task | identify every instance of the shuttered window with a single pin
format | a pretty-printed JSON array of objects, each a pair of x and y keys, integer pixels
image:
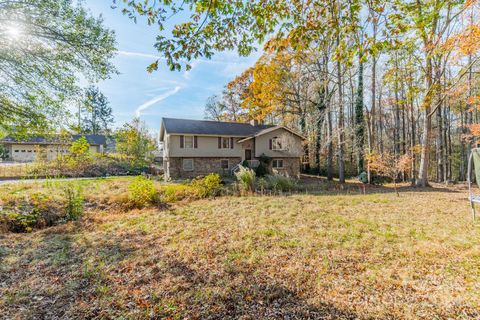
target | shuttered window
[
  {"x": 225, "y": 143},
  {"x": 188, "y": 142},
  {"x": 276, "y": 144}
]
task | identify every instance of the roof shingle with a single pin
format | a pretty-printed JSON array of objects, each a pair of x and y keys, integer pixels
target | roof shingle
[
  {"x": 211, "y": 127},
  {"x": 93, "y": 139}
]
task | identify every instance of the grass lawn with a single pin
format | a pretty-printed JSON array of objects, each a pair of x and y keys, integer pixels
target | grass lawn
[{"x": 325, "y": 256}]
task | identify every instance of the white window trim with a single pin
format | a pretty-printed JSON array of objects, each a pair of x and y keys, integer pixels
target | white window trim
[
  {"x": 274, "y": 146},
  {"x": 228, "y": 164},
  {"x": 277, "y": 161},
  {"x": 228, "y": 143},
  {"x": 185, "y": 142},
  {"x": 188, "y": 169}
]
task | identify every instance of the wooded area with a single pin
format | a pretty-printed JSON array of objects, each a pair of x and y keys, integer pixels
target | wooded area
[{"x": 370, "y": 78}]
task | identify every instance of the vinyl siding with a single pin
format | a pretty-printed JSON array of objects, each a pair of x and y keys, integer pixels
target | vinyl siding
[
  {"x": 207, "y": 147},
  {"x": 293, "y": 144}
]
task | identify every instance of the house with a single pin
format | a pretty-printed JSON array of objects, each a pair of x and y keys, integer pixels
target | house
[
  {"x": 27, "y": 149},
  {"x": 199, "y": 147}
]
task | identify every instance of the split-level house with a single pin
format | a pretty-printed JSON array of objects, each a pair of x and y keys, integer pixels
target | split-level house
[{"x": 199, "y": 147}]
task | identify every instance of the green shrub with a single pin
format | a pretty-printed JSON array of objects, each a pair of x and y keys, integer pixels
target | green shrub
[
  {"x": 176, "y": 192},
  {"x": 246, "y": 179},
  {"x": 23, "y": 214},
  {"x": 281, "y": 183},
  {"x": 73, "y": 202},
  {"x": 261, "y": 170},
  {"x": 23, "y": 221},
  {"x": 96, "y": 165},
  {"x": 209, "y": 186},
  {"x": 262, "y": 183},
  {"x": 141, "y": 192}
]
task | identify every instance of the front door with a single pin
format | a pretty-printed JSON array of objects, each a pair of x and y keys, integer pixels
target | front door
[{"x": 248, "y": 154}]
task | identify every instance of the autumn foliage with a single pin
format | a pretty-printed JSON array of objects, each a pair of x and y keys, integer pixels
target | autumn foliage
[{"x": 389, "y": 165}]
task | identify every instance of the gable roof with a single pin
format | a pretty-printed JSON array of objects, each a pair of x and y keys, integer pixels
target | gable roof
[
  {"x": 92, "y": 139},
  {"x": 267, "y": 130},
  {"x": 208, "y": 127}
]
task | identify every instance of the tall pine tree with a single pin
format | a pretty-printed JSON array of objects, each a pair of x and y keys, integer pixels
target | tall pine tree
[{"x": 97, "y": 112}]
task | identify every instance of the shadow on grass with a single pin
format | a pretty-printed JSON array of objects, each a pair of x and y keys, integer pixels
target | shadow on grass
[
  {"x": 48, "y": 274},
  {"x": 59, "y": 274},
  {"x": 246, "y": 295},
  {"x": 320, "y": 185}
]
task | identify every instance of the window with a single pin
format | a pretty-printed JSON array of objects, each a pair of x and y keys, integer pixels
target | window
[
  {"x": 23, "y": 150},
  {"x": 277, "y": 163},
  {"x": 188, "y": 142},
  {"x": 277, "y": 144},
  {"x": 224, "y": 163},
  {"x": 187, "y": 164},
  {"x": 16, "y": 150},
  {"x": 29, "y": 150},
  {"x": 225, "y": 143}
]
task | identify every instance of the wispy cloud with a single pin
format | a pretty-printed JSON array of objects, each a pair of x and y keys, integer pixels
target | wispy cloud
[
  {"x": 155, "y": 100},
  {"x": 227, "y": 59},
  {"x": 224, "y": 64},
  {"x": 187, "y": 74},
  {"x": 138, "y": 54}
]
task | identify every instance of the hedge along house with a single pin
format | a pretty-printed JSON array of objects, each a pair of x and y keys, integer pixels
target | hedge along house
[
  {"x": 30, "y": 148},
  {"x": 199, "y": 147}
]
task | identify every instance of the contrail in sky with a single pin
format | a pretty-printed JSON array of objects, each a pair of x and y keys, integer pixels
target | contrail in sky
[{"x": 157, "y": 99}]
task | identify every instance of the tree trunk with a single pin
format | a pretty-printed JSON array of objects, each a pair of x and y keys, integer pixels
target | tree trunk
[
  {"x": 413, "y": 136},
  {"x": 321, "y": 106},
  {"x": 380, "y": 122},
  {"x": 462, "y": 167},
  {"x": 341, "y": 120},
  {"x": 439, "y": 145},
  {"x": 359, "y": 120},
  {"x": 422, "y": 180},
  {"x": 374, "y": 89},
  {"x": 396, "y": 132},
  {"x": 329, "y": 145}
]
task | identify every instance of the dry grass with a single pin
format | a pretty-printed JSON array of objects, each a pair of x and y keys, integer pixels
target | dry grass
[
  {"x": 305, "y": 256},
  {"x": 14, "y": 170}
]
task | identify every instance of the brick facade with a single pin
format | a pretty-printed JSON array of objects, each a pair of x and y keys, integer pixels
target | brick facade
[
  {"x": 291, "y": 167},
  {"x": 201, "y": 167}
]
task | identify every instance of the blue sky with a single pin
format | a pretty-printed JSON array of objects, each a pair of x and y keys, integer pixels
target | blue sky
[{"x": 163, "y": 93}]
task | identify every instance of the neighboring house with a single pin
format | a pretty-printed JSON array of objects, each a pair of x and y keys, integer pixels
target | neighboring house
[
  {"x": 25, "y": 150},
  {"x": 199, "y": 147}
]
